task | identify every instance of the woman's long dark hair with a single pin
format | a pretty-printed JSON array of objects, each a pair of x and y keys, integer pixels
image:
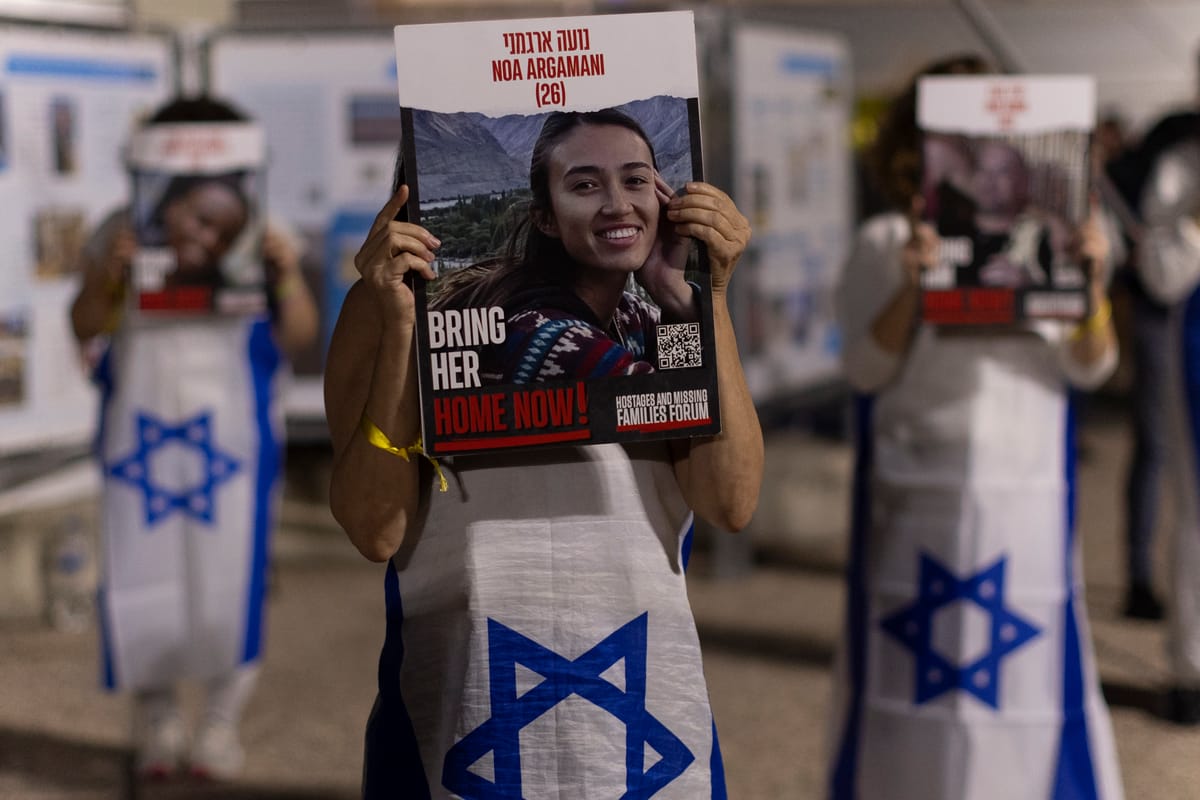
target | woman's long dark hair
[
  {"x": 530, "y": 258},
  {"x": 895, "y": 160}
]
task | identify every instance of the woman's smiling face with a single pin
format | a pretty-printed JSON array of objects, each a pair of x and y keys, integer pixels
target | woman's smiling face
[
  {"x": 202, "y": 225},
  {"x": 602, "y": 199}
]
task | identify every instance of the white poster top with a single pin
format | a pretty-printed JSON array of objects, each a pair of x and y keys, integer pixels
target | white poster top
[
  {"x": 1003, "y": 104},
  {"x": 559, "y": 63},
  {"x": 196, "y": 148}
]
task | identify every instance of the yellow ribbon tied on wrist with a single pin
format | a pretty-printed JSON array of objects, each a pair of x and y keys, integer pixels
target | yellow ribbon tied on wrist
[
  {"x": 377, "y": 438},
  {"x": 1097, "y": 321}
]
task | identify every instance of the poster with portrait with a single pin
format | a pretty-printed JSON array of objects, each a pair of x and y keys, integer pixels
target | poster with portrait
[
  {"x": 1005, "y": 183},
  {"x": 541, "y": 153},
  {"x": 198, "y": 219}
]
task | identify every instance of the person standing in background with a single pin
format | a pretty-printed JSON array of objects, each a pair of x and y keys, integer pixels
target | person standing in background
[
  {"x": 190, "y": 444},
  {"x": 1169, "y": 265},
  {"x": 966, "y": 668},
  {"x": 1126, "y": 168}
]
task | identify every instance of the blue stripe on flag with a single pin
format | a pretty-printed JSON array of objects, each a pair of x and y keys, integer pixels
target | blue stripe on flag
[
  {"x": 685, "y": 550},
  {"x": 102, "y": 376},
  {"x": 264, "y": 360},
  {"x": 108, "y": 675},
  {"x": 392, "y": 762},
  {"x": 716, "y": 768},
  {"x": 844, "y": 779},
  {"x": 1075, "y": 777},
  {"x": 89, "y": 68}
]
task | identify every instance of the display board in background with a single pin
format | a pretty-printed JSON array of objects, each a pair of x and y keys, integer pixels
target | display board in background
[
  {"x": 79, "y": 12},
  {"x": 68, "y": 101},
  {"x": 328, "y": 105},
  {"x": 793, "y": 178}
]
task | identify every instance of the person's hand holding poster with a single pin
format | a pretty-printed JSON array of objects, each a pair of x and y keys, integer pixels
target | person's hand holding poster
[
  {"x": 198, "y": 218},
  {"x": 1005, "y": 184}
]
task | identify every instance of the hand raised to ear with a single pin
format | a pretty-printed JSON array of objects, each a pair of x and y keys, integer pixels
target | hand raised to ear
[
  {"x": 706, "y": 213},
  {"x": 662, "y": 276}
]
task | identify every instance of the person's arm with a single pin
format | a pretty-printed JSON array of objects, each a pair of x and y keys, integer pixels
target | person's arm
[
  {"x": 371, "y": 375},
  {"x": 1089, "y": 353},
  {"x": 1169, "y": 248},
  {"x": 877, "y": 333},
  {"x": 104, "y": 264},
  {"x": 892, "y": 330},
  {"x": 720, "y": 476},
  {"x": 296, "y": 318}
]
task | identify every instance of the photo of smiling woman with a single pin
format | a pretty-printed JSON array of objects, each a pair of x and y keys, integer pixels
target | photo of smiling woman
[
  {"x": 206, "y": 221},
  {"x": 595, "y": 218}
]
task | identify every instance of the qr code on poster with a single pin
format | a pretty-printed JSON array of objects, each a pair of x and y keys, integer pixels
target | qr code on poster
[{"x": 679, "y": 346}]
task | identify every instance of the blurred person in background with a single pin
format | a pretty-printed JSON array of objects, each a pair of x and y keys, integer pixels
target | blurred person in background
[
  {"x": 1169, "y": 266},
  {"x": 1126, "y": 166},
  {"x": 966, "y": 667},
  {"x": 190, "y": 442}
]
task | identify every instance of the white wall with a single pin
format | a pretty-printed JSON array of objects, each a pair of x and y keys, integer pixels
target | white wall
[{"x": 1142, "y": 54}]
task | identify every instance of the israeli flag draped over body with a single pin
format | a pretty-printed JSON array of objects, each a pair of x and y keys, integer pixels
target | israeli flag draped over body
[
  {"x": 967, "y": 671},
  {"x": 189, "y": 446},
  {"x": 539, "y": 640}
]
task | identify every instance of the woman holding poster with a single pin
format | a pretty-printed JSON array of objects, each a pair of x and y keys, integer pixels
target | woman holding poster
[
  {"x": 541, "y": 581},
  {"x": 190, "y": 443},
  {"x": 966, "y": 669}
]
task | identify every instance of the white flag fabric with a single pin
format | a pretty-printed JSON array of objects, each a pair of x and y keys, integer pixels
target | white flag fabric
[
  {"x": 190, "y": 447},
  {"x": 967, "y": 670},
  {"x": 539, "y": 638}
]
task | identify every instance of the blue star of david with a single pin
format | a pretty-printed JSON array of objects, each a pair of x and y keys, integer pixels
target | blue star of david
[
  {"x": 562, "y": 677},
  {"x": 158, "y": 502},
  {"x": 912, "y": 626}
]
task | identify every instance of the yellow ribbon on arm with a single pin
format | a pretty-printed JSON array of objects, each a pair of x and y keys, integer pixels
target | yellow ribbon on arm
[
  {"x": 377, "y": 438},
  {"x": 1097, "y": 321}
]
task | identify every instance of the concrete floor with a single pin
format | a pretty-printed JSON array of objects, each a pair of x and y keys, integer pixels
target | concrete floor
[{"x": 769, "y": 637}]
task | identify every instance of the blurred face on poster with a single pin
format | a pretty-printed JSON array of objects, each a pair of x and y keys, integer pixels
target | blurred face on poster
[
  {"x": 201, "y": 225},
  {"x": 946, "y": 184},
  {"x": 1000, "y": 183},
  {"x": 602, "y": 198},
  {"x": 946, "y": 161}
]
